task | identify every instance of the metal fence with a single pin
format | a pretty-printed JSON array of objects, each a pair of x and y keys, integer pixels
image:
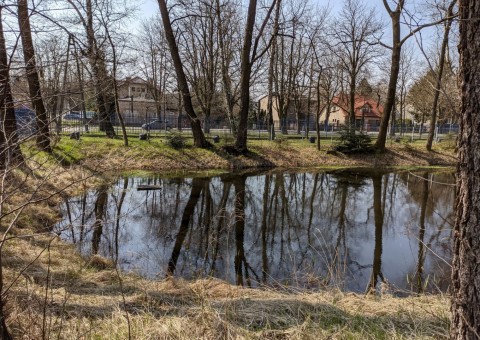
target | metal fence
[{"x": 155, "y": 125}]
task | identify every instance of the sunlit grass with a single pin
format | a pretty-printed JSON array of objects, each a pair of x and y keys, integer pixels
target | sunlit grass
[{"x": 82, "y": 297}]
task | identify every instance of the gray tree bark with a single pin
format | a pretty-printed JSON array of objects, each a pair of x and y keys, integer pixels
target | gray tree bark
[
  {"x": 43, "y": 131},
  {"x": 465, "y": 305},
  {"x": 9, "y": 147},
  {"x": 246, "y": 70},
  {"x": 394, "y": 70}
]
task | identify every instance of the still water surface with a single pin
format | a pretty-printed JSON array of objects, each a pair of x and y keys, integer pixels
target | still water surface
[{"x": 353, "y": 229}]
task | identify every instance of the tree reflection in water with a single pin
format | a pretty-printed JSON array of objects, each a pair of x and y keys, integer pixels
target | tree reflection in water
[
  {"x": 197, "y": 187},
  {"x": 377, "y": 252},
  {"x": 348, "y": 229}
]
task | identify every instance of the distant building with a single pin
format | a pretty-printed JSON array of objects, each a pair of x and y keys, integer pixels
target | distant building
[
  {"x": 368, "y": 112},
  {"x": 137, "y": 102},
  {"x": 295, "y": 114}
]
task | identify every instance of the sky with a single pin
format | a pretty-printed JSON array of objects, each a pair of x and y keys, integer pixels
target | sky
[{"x": 149, "y": 7}]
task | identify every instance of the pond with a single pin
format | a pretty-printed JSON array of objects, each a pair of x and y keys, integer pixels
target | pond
[{"x": 358, "y": 229}]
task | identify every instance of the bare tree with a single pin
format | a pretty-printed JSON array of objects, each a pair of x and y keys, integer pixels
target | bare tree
[
  {"x": 273, "y": 51},
  {"x": 245, "y": 70},
  {"x": 228, "y": 35},
  {"x": 43, "y": 131},
  {"x": 113, "y": 47},
  {"x": 354, "y": 45},
  {"x": 290, "y": 58},
  {"x": 198, "y": 136},
  {"x": 405, "y": 76},
  {"x": 248, "y": 58},
  {"x": 104, "y": 99},
  {"x": 396, "y": 47},
  {"x": 201, "y": 55},
  {"x": 9, "y": 147},
  {"x": 155, "y": 63},
  {"x": 419, "y": 98},
  {"x": 465, "y": 270},
  {"x": 7, "y": 114},
  {"x": 50, "y": 52},
  {"x": 441, "y": 64}
]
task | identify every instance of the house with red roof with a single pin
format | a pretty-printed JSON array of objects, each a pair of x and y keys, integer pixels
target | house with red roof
[{"x": 368, "y": 112}]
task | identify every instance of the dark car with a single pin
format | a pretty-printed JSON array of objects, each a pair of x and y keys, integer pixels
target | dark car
[
  {"x": 71, "y": 116},
  {"x": 157, "y": 124},
  {"x": 89, "y": 117},
  {"x": 26, "y": 123}
]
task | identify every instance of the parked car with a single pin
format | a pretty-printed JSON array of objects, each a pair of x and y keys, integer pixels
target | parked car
[
  {"x": 157, "y": 124},
  {"x": 71, "y": 116},
  {"x": 26, "y": 123},
  {"x": 78, "y": 115}
]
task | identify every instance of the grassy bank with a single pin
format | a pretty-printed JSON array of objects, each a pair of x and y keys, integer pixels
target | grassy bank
[
  {"x": 53, "y": 292},
  {"x": 104, "y": 154},
  {"x": 65, "y": 296}
]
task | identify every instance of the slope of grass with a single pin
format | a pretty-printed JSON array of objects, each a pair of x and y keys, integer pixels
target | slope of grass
[
  {"x": 53, "y": 292},
  {"x": 102, "y": 154}
]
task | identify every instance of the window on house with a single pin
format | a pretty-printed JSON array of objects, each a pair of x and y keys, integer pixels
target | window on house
[
  {"x": 143, "y": 90},
  {"x": 133, "y": 89}
]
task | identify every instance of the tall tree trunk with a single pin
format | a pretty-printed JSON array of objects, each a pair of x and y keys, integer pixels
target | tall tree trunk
[
  {"x": 224, "y": 65},
  {"x": 273, "y": 51},
  {"x": 198, "y": 136},
  {"x": 441, "y": 65},
  {"x": 392, "y": 83},
  {"x": 58, "y": 116},
  {"x": 115, "y": 87},
  {"x": 465, "y": 269},
  {"x": 7, "y": 127},
  {"x": 43, "y": 131},
  {"x": 246, "y": 70},
  {"x": 351, "y": 104},
  {"x": 9, "y": 147},
  {"x": 290, "y": 84},
  {"x": 99, "y": 71},
  {"x": 393, "y": 118},
  {"x": 318, "y": 113},
  {"x": 80, "y": 83},
  {"x": 180, "y": 109}
]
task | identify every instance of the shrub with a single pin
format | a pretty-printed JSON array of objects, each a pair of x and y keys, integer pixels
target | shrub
[
  {"x": 351, "y": 142},
  {"x": 175, "y": 140}
]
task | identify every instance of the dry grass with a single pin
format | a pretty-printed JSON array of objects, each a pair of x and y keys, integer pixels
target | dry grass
[
  {"x": 82, "y": 301},
  {"x": 55, "y": 293},
  {"x": 90, "y": 307},
  {"x": 107, "y": 155}
]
